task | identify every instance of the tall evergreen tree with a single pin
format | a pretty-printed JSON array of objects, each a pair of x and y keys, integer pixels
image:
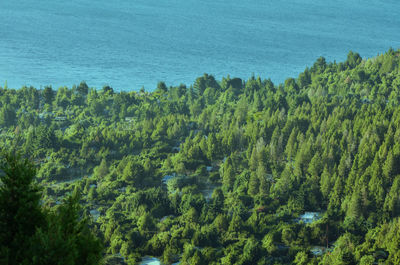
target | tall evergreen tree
[{"x": 20, "y": 211}]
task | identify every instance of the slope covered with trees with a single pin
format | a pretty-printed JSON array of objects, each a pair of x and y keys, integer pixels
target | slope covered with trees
[{"x": 222, "y": 172}]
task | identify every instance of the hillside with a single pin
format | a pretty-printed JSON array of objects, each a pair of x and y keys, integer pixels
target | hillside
[{"x": 226, "y": 171}]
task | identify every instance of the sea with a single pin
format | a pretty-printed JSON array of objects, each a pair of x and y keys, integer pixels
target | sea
[{"x": 130, "y": 44}]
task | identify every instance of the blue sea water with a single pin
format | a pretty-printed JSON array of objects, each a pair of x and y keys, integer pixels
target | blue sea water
[{"x": 133, "y": 43}]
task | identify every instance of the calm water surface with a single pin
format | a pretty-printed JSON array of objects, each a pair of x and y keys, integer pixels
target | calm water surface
[{"x": 133, "y": 43}]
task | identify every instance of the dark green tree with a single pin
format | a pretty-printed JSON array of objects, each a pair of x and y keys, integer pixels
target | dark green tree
[
  {"x": 20, "y": 211},
  {"x": 48, "y": 95},
  {"x": 161, "y": 87},
  {"x": 83, "y": 88},
  {"x": 7, "y": 115}
]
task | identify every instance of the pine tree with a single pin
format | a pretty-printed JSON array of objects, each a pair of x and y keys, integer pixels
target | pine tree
[
  {"x": 392, "y": 201},
  {"x": 7, "y": 115},
  {"x": 48, "y": 95},
  {"x": 254, "y": 184},
  {"x": 228, "y": 177},
  {"x": 20, "y": 211}
]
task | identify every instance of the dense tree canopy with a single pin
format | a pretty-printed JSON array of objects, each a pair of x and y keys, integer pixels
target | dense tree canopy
[{"x": 221, "y": 172}]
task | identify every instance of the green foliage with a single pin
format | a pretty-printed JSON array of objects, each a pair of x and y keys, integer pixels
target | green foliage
[
  {"x": 31, "y": 234},
  {"x": 245, "y": 159},
  {"x": 20, "y": 211},
  {"x": 7, "y": 115},
  {"x": 48, "y": 95}
]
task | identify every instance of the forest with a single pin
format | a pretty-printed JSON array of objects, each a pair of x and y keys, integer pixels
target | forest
[{"x": 228, "y": 171}]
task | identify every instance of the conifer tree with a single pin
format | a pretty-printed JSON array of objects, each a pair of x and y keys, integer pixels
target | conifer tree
[{"x": 20, "y": 211}]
